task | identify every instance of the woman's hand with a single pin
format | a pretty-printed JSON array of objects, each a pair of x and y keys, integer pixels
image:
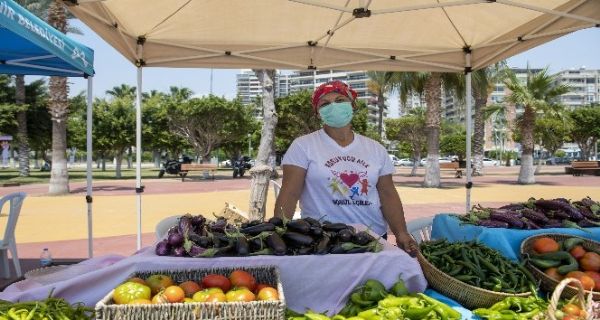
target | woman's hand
[{"x": 406, "y": 242}]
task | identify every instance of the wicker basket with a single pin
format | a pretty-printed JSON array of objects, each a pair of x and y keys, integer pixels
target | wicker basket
[
  {"x": 581, "y": 301},
  {"x": 467, "y": 295},
  {"x": 547, "y": 283},
  {"x": 260, "y": 310}
]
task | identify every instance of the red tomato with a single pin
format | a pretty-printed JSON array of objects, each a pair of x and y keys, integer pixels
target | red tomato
[
  {"x": 158, "y": 282},
  {"x": 216, "y": 297},
  {"x": 216, "y": 281},
  {"x": 240, "y": 278},
  {"x": 268, "y": 294},
  {"x": 240, "y": 295},
  {"x": 129, "y": 291},
  {"x": 190, "y": 287},
  {"x": 571, "y": 310},
  {"x": 260, "y": 286},
  {"x": 174, "y": 294}
]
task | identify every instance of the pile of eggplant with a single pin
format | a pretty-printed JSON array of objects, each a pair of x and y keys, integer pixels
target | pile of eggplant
[
  {"x": 538, "y": 214},
  {"x": 195, "y": 236}
]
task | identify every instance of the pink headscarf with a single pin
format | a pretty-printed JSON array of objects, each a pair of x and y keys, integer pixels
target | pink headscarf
[{"x": 332, "y": 86}]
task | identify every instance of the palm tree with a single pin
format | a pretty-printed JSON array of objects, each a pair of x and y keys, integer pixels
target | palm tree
[
  {"x": 429, "y": 85},
  {"x": 37, "y": 8},
  {"x": 536, "y": 95},
  {"x": 122, "y": 91},
  {"x": 22, "y": 139},
  {"x": 59, "y": 108},
  {"x": 483, "y": 82},
  {"x": 379, "y": 84},
  {"x": 180, "y": 93}
]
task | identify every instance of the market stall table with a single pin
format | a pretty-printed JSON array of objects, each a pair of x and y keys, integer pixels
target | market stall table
[
  {"x": 318, "y": 282},
  {"x": 507, "y": 241}
]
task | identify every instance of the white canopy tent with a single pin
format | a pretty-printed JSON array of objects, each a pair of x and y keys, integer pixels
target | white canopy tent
[{"x": 385, "y": 35}]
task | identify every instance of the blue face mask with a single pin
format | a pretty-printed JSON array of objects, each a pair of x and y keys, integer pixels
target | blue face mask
[{"x": 336, "y": 114}]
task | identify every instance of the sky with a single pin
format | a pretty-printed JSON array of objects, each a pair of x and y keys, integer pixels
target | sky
[{"x": 575, "y": 50}]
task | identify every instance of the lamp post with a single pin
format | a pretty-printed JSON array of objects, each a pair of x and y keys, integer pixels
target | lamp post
[{"x": 249, "y": 145}]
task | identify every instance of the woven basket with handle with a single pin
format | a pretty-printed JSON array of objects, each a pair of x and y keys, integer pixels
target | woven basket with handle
[
  {"x": 547, "y": 283},
  {"x": 580, "y": 299}
]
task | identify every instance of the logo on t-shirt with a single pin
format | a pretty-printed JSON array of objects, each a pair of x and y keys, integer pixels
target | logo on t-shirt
[{"x": 347, "y": 186}]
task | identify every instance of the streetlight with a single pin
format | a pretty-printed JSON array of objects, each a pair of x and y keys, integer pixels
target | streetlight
[{"x": 249, "y": 145}]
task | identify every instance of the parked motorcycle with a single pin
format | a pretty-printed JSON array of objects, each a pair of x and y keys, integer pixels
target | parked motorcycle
[
  {"x": 240, "y": 166},
  {"x": 173, "y": 166}
]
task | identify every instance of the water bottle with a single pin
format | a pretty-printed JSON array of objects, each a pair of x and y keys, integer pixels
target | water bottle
[{"x": 45, "y": 258}]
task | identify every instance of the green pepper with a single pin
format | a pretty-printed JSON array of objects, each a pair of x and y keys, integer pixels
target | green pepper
[
  {"x": 451, "y": 313},
  {"x": 367, "y": 314},
  {"x": 392, "y": 301},
  {"x": 315, "y": 316},
  {"x": 399, "y": 288},
  {"x": 356, "y": 298},
  {"x": 338, "y": 317},
  {"x": 373, "y": 290},
  {"x": 418, "y": 313}
]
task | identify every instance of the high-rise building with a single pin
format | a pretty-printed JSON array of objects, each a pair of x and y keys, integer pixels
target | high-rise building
[
  {"x": 249, "y": 88},
  {"x": 584, "y": 87}
]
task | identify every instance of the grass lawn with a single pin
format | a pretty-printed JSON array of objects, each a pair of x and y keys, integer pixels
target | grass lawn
[{"x": 8, "y": 176}]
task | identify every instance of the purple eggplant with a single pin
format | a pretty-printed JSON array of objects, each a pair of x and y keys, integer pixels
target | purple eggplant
[
  {"x": 179, "y": 252},
  {"x": 185, "y": 225},
  {"x": 586, "y": 223},
  {"x": 535, "y": 216},
  {"x": 175, "y": 239},
  {"x": 558, "y": 205},
  {"x": 218, "y": 226},
  {"x": 513, "y": 206},
  {"x": 162, "y": 248},
  {"x": 492, "y": 223},
  {"x": 173, "y": 229},
  {"x": 198, "y": 221},
  {"x": 507, "y": 217}
]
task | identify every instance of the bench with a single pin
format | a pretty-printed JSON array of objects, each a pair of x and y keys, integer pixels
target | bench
[
  {"x": 452, "y": 166},
  {"x": 578, "y": 168},
  {"x": 187, "y": 167}
]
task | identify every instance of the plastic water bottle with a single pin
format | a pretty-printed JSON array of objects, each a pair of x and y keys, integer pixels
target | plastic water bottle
[{"x": 45, "y": 258}]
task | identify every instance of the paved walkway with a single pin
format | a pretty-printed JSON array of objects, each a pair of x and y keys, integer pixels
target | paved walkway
[{"x": 60, "y": 223}]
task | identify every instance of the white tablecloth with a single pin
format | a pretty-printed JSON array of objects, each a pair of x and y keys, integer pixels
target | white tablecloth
[{"x": 316, "y": 282}]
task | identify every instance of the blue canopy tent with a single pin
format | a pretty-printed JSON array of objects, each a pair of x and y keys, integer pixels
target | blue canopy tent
[{"x": 29, "y": 46}]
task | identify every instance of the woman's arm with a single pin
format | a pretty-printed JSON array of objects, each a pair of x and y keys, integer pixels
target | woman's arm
[
  {"x": 391, "y": 206},
  {"x": 291, "y": 189}
]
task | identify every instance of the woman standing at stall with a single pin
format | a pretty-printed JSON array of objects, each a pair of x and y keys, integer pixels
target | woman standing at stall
[{"x": 340, "y": 174}]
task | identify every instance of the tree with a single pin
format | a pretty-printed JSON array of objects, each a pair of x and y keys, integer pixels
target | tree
[
  {"x": 58, "y": 107},
  {"x": 155, "y": 131},
  {"x": 551, "y": 132},
  {"x": 483, "y": 82},
  {"x": 585, "y": 131},
  {"x": 380, "y": 83},
  {"x": 122, "y": 91},
  {"x": 114, "y": 127},
  {"x": 262, "y": 171},
  {"x": 536, "y": 95},
  {"x": 410, "y": 130},
  {"x": 430, "y": 85},
  {"x": 209, "y": 122},
  {"x": 39, "y": 122}
]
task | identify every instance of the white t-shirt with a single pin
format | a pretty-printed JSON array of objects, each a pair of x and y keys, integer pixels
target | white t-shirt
[{"x": 341, "y": 181}]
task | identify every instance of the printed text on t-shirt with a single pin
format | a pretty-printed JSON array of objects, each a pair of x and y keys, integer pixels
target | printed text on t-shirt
[{"x": 331, "y": 162}]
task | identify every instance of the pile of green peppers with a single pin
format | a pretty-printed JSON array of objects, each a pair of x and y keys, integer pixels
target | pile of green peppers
[
  {"x": 514, "y": 308},
  {"x": 373, "y": 302}
]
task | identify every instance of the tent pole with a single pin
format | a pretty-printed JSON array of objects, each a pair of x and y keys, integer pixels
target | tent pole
[
  {"x": 88, "y": 197},
  {"x": 468, "y": 100},
  {"x": 138, "y": 156}
]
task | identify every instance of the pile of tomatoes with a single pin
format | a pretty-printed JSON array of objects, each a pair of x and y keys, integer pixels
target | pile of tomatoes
[{"x": 160, "y": 288}]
